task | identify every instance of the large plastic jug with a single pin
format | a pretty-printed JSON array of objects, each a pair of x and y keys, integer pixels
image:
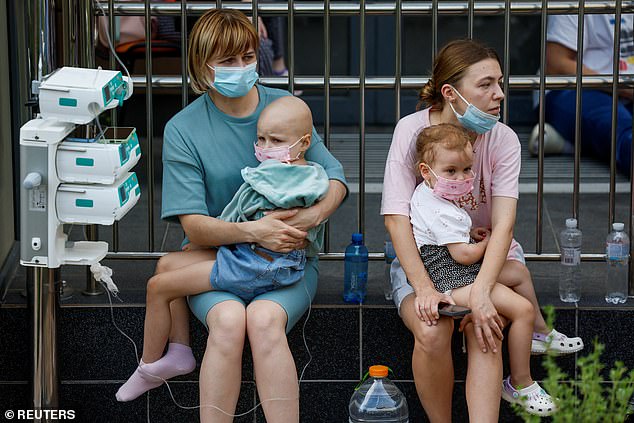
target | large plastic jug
[{"x": 378, "y": 400}]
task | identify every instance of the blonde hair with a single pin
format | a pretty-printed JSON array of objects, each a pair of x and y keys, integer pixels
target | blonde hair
[
  {"x": 217, "y": 33},
  {"x": 445, "y": 135},
  {"x": 449, "y": 68}
]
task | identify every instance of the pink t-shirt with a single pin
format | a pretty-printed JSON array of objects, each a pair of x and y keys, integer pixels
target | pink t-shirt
[{"x": 496, "y": 164}]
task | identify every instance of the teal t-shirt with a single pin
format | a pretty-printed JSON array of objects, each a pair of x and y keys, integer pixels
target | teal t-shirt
[{"x": 204, "y": 151}]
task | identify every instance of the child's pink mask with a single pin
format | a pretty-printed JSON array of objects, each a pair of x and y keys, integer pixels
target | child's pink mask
[
  {"x": 282, "y": 154},
  {"x": 452, "y": 189}
]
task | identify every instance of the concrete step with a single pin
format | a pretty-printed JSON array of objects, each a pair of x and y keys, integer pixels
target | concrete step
[{"x": 95, "y": 359}]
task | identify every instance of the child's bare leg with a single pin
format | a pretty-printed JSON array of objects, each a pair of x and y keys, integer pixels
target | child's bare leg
[
  {"x": 179, "y": 332},
  {"x": 516, "y": 276},
  {"x": 522, "y": 315},
  {"x": 162, "y": 289}
]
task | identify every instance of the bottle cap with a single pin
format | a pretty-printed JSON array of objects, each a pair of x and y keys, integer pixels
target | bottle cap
[
  {"x": 357, "y": 237},
  {"x": 618, "y": 226},
  {"x": 378, "y": 371},
  {"x": 571, "y": 223}
]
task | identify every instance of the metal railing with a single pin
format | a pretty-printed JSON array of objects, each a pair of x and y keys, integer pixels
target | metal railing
[
  {"x": 361, "y": 9},
  {"x": 78, "y": 48}
]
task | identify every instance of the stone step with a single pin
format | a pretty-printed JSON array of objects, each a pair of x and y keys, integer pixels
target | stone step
[{"x": 95, "y": 359}]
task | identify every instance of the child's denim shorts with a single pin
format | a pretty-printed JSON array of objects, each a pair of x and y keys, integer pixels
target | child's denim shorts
[{"x": 239, "y": 269}]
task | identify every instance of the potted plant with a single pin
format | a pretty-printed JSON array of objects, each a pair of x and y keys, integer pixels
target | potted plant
[{"x": 589, "y": 398}]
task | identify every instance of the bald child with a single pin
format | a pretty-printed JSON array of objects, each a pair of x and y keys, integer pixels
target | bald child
[{"x": 283, "y": 180}]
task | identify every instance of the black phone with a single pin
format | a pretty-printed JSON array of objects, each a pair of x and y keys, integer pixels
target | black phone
[{"x": 452, "y": 310}]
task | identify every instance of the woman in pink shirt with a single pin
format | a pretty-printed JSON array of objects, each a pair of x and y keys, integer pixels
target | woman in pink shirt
[{"x": 464, "y": 90}]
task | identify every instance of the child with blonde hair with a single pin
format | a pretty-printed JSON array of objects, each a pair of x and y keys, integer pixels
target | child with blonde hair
[{"x": 452, "y": 251}]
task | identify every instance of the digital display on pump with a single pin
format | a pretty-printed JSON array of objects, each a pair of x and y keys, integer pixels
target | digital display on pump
[{"x": 106, "y": 94}]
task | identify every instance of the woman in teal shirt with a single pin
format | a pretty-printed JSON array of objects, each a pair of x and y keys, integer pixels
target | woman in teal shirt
[{"x": 205, "y": 147}]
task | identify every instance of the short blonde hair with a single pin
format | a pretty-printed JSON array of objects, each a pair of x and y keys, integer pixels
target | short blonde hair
[
  {"x": 446, "y": 135},
  {"x": 217, "y": 33}
]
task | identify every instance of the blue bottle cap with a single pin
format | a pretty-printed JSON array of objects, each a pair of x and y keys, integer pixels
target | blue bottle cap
[{"x": 357, "y": 237}]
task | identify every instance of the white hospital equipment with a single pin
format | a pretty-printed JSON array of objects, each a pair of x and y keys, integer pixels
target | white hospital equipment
[
  {"x": 79, "y": 95},
  {"x": 69, "y": 179}
]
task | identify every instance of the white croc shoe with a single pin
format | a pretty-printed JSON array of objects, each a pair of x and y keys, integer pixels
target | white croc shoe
[
  {"x": 560, "y": 344},
  {"x": 533, "y": 398}
]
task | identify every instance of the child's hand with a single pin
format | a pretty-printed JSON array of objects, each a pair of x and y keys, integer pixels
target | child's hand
[
  {"x": 191, "y": 247},
  {"x": 480, "y": 233}
]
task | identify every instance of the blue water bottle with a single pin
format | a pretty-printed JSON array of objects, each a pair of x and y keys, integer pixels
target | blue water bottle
[{"x": 356, "y": 271}]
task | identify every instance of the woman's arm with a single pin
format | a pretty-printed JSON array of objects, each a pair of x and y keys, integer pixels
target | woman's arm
[
  {"x": 486, "y": 320},
  {"x": 427, "y": 298},
  {"x": 270, "y": 232}
]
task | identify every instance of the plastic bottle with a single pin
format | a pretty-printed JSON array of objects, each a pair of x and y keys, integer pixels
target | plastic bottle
[
  {"x": 378, "y": 400},
  {"x": 356, "y": 271},
  {"x": 570, "y": 270},
  {"x": 390, "y": 255},
  {"x": 617, "y": 250}
]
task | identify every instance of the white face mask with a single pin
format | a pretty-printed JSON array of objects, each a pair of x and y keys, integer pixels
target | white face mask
[
  {"x": 473, "y": 118},
  {"x": 235, "y": 81}
]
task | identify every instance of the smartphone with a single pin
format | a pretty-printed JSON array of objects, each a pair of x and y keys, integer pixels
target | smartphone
[{"x": 452, "y": 310}]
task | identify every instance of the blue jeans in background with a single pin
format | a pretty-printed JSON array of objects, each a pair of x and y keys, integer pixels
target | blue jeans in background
[{"x": 596, "y": 126}]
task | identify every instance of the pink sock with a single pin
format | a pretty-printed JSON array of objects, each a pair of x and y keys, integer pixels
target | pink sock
[{"x": 178, "y": 360}]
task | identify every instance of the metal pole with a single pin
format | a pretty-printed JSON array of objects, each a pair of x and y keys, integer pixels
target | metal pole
[
  {"x": 470, "y": 17},
  {"x": 542, "y": 114},
  {"x": 150, "y": 122},
  {"x": 41, "y": 292},
  {"x": 616, "y": 56},
  {"x": 361, "y": 203},
  {"x": 291, "y": 46},
  {"x": 327, "y": 99},
  {"x": 86, "y": 52},
  {"x": 113, "y": 112},
  {"x": 578, "y": 105},
  {"x": 43, "y": 301}
]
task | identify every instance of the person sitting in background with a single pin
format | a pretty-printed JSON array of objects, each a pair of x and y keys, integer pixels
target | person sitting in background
[{"x": 596, "y": 109}]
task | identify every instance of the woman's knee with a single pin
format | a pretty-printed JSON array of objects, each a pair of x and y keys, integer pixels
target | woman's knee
[
  {"x": 434, "y": 340},
  {"x": 266, "y": 324},
  {"x": 227, "y": 326}
]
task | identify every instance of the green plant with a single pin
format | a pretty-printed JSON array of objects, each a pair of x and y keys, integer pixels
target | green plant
[{"x": 589, "y": 398}]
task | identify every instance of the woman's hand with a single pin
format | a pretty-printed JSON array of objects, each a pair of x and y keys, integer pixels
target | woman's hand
[
  {"x": 426, "y": 304},
  {"x": 274, "y": 233},
  {"x": 485, "y": 318}
]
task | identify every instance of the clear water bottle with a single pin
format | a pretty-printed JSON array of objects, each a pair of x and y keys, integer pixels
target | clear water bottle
[
  {"x": 356, "y": 271},
  {"x": 570, "y": 270},
  {"x": 617, "y": 250},
  {"x": 390, "y": 255},
  {"x": 378, "y": 400}
]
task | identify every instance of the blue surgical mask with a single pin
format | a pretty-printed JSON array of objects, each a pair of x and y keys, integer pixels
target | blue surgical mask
[
  {"x": 475, "y": 119},
  {"x": 234, "y": 81}
]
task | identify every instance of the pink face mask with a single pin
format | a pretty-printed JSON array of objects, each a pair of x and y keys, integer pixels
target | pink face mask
[
  {"x": 281, "y": 154},
  {"x": 450, "y": 189}
]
